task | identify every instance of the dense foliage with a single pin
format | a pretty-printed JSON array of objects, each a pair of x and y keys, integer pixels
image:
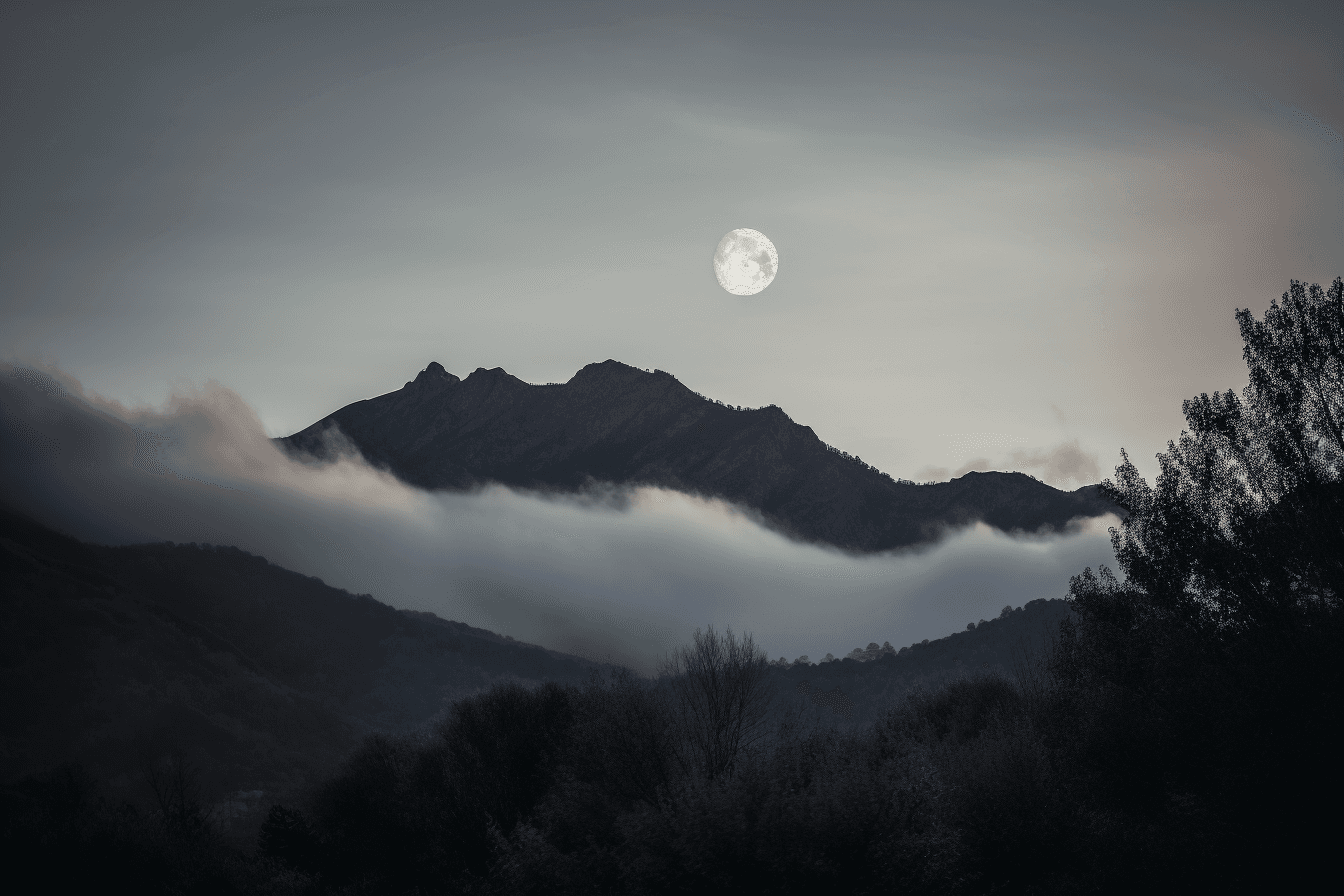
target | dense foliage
[
  {"x": 1175, "y": 736},
  {"x": 1200, "y": 698}
]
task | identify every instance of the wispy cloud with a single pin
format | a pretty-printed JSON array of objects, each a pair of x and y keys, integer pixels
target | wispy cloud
[{"x": 1066, "y": 465}]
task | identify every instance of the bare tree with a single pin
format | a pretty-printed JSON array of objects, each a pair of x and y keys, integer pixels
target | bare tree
[
  {"x": 720, "y": 696},
  {"x": 175, "y": 785}
]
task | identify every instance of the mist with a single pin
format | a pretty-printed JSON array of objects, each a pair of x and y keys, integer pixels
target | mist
[{"x": 618, "y": 575}]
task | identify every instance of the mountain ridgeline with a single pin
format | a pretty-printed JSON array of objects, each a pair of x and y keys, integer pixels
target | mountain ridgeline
[{"x": 612, "y": 423}]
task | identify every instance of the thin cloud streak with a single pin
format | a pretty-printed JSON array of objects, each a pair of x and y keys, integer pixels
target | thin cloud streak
[
  {"x": 1067, "y": 463},
  {"x": 621, "y": 576}
]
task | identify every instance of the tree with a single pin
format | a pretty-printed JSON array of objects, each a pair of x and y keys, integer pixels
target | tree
[
  {"x": 501, "y": 745},
  {"x": 720, "y": 696},
  {"x": 175, "y": 785},
  {"x": 1200, "y": 697},
  {"x": 1244, "y": 526},
  {"x": 422, "y": 814},
  {"x": 622, "y": 740}
]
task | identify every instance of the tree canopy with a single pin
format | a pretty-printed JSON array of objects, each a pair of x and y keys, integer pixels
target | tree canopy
[
  {"x": 1244, "y": 525},
  {"x": 1203, "y": 692}
]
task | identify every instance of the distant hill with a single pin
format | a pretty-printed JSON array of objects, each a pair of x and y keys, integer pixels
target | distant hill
[
  {"x": 262, "y": 677},
  {"x": 618, "y": 424},
  {"x": 854, "y": 693}
]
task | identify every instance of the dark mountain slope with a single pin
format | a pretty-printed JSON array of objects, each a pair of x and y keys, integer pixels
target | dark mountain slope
[
  {"x": 260, "y": 675},
  {"x": 854, "y": 693},
  {"x": 618, "y": 424}
]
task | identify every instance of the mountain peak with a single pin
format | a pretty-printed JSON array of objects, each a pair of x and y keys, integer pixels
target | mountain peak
[
  {"x": 606, "y": 370},
  {"x": 492, "y": 379},
  {"x": 624, "y": 425},
  {"x": 490, "y": 373},
  {"x": 433, "y": 375}
]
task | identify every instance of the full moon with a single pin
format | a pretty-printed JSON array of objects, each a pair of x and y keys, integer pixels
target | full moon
[{"x": 745, "y": 262}]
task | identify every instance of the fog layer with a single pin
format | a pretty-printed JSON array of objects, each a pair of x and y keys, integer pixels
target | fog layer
[{"x": 620, "y": 577}]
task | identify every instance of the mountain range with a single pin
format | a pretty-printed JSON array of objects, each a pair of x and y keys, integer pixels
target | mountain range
[{"x": 620, "y": 425}]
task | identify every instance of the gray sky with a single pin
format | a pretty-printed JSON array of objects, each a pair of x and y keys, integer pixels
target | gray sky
[{"x": 1002, "y": 228}]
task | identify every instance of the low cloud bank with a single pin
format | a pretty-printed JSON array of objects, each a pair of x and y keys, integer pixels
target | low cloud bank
[{"x": 619, "y": 579}]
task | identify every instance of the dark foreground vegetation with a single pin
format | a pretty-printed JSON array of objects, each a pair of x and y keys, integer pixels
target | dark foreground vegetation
[{"x": 1179, "y": 732}]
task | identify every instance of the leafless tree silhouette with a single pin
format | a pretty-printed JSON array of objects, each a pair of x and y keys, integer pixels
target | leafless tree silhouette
[{"x": 720, "y": 696}]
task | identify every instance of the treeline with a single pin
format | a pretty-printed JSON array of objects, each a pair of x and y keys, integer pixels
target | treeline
[
  {"x": 1178, "y": 734},
  {"x": 854, "y": 693},
  {"x": 875, "y": 652},
  {"x": 625, "y": 786}
]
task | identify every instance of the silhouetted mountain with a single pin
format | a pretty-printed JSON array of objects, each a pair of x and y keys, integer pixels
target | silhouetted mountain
[
  {"x": 619, "y": 424},
  {"x": 261, "y": 676}
]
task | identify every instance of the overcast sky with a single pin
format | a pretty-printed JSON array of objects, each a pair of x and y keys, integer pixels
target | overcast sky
[{"x": 1002, "y": 227}]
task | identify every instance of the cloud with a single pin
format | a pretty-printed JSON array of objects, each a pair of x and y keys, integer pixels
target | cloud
[
  {"x": 964, "y": 442},
  {"x": 625, "y": 578},
  {"x": 1067, "y": 464}
]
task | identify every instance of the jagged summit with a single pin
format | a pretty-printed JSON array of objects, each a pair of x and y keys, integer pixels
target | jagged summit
[
  {"x": 615, "y": 423},
  {"x": 597, "y": 373},
  {"x": 433, "y": 375}
]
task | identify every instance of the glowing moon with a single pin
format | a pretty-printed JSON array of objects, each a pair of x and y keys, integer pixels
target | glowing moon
[{"x": 745, "y": 262}]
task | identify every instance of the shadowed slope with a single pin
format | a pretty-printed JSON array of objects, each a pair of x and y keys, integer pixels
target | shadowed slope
[
  {"x": 260, "y": 675},
  {"x": 619, "y": 424},
  {"x": 853, "y": 692}
]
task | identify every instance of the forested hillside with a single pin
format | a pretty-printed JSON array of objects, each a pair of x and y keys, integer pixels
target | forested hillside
[
  {"x": 854, "y": 692},
  {"x": 258, "y": 676}
]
